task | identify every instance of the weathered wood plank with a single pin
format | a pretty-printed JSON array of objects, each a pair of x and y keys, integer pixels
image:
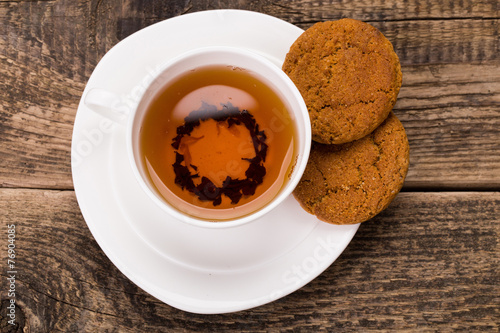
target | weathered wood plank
[
  {"x": 429, "y": 262},
  {"x": 422, "y": 32},
  {"x": 453, "y": 148},
  {"x": 307, "y": 11},
  {"x": 37, "y": 112},
  {"x": 449, "y": 85},
  {"x": 48, "y": 50},
  {"x": 452, "y": 117},
  {"x": 44, "y": 64},
  {"x": 451, "y": 114},
  {"x": 443, "y": 41}
]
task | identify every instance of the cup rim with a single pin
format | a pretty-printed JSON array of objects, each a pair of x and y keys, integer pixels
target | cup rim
[{"x": 304, "y": 146}]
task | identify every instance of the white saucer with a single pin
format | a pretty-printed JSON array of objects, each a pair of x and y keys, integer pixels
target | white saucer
[{"x": 190, "y": 268}]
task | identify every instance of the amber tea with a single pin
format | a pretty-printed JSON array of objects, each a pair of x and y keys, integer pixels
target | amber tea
[{"x": 217, "y": 143}]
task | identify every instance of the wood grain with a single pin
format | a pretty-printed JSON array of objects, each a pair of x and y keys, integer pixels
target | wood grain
[
  {"x": 307, "y": 11},
  {"x": 451, "y": 80},
  {"x": 436, "y": 268},
  {"x": 451, "y": 113},
  {"x": 430, "y": 262}
]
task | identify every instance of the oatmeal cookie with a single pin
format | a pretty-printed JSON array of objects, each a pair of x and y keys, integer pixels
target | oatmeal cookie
[
  {"x": 348, "y": 75},
  {"x": 353, "y": 182}
]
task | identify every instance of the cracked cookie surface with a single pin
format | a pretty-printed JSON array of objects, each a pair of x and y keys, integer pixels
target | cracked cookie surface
[
  {"x": 353, "y": 182},
  {"x": 348, "y": 75}
]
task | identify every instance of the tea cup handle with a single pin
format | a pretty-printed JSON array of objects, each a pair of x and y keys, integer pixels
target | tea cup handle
[{"x": 108, "y": 104}]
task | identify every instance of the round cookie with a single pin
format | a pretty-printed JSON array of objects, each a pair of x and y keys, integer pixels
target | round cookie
[
  {"x": 353, "y": 182},
  {"x": 348, "y": 75}
]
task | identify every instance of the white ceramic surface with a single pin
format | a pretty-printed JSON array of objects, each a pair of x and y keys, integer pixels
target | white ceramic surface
[
  {"x": 258, "y": 66},
  {"x": 191, "y": 268}
]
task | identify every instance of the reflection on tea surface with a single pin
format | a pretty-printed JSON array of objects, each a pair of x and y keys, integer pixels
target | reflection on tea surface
[{"x": 217, "y": 143}]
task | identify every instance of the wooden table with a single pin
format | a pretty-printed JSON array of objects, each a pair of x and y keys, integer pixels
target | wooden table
[{"x": 430, "y": 262}]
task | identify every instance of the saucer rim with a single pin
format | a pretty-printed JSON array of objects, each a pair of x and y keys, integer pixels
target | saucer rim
[{"x": 171, "y": 298}]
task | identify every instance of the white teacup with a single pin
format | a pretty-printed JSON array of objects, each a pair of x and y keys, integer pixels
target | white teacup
[{"x": 132, "y": 116}]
